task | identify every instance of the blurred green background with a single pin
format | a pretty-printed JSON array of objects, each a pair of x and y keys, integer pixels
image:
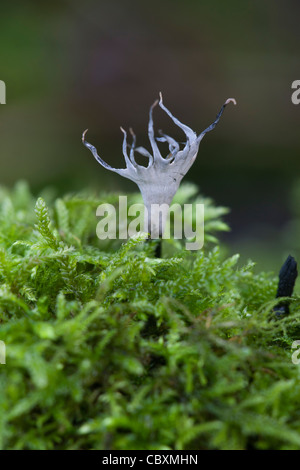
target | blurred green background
[{"x": 72, "y": 65}]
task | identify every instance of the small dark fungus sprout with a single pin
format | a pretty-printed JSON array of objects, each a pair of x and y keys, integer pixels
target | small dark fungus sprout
[{"x": 287, "y": 278}]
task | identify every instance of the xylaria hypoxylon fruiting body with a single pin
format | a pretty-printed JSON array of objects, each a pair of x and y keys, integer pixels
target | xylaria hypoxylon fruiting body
[{"x": 159, "y": 181}]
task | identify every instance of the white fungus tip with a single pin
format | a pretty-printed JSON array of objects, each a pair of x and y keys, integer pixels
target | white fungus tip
[
  {"x": 83, "y": 135},
  {"x": 230, "y": 100}
]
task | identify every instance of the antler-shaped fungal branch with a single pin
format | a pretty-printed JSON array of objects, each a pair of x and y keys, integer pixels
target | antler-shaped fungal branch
[{"x": 159, "y": 181}]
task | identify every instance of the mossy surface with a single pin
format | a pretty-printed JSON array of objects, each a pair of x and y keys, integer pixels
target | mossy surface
[{"x": 108, "y": 347}]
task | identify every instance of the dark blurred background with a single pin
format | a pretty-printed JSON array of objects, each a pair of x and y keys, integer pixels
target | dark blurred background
[{"x": 72, "y": 65}]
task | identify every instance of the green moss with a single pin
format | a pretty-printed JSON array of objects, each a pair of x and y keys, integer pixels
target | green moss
[{"x": 110, "y": 348}]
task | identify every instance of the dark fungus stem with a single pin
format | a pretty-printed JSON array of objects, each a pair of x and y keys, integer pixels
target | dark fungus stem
[
  {"x": 287, "y": 278},
  {"x": 157, "y": 246},
  {"x": 157, "y": 251}
]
